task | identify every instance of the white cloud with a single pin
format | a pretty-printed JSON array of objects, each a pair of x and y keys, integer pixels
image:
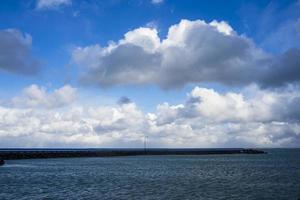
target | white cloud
[
  {"x": 261, "y": 106},
  {"x": 145, "y": 38},
  {"x": 250, "y": 118},
  {"x": 35, "y": 96},
  {"x": 51, "y": 4},
  {"x": 192, "y": 52},
  {"x": 222, "y": 26},
  {"x": 157, "y": 1}
]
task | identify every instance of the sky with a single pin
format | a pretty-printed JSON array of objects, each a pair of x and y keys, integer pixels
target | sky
[{"x": 87, "y": 73}]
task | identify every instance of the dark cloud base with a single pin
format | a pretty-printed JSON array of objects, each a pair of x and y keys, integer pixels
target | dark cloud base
[{"x": 15, "y": 53}]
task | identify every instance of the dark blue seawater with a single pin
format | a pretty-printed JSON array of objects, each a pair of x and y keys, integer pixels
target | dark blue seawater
[{"x": 266, "y": 176}]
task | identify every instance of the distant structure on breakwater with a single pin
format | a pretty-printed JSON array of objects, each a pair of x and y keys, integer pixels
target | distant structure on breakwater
[{"x": 12, "y": 154}]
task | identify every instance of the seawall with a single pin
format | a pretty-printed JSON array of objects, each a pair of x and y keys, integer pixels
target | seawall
[{"x": 10, "y": 154}]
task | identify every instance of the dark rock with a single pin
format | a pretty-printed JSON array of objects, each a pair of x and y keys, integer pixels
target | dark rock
[
  {"x": 1, "y": 162},
  {"x": 253, "y": 151}
]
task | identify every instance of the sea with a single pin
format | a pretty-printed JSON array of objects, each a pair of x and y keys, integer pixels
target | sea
[{"x": 275, "y": 175}]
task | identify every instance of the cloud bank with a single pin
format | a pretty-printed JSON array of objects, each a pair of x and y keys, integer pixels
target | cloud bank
[
  {"x": 250, "y": 118},
  {"x": 15, "y": 53},
  {"x": 192, "y": 52}
]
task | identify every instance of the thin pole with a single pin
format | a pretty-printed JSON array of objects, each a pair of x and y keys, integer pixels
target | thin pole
[{"x": 145, "y": 143}]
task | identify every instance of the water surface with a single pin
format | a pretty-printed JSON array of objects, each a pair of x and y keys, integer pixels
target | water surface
[{"x": 265, "y": 176}]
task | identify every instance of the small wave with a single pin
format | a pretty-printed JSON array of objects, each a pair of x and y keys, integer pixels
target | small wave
[{"x": 8, "y": 165}]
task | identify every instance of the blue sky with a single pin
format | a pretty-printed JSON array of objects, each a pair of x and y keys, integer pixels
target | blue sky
[
  {"x": 55, "y": 31},
  {"x": 57, "y": 28}
]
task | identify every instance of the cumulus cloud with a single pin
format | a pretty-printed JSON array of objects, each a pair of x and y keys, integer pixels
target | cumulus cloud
[
  {"x": 192, "y": 52},
  {"x": 15, "y": 51},
  {"x": 38, "y": 97},
  {"x": 253, "y": 116},
  {"x": 284, "y": 70},
  {"x": 250, "y": 118},
  {"x": 259, "y": 106},
  {"x": 51, "y": 4}
]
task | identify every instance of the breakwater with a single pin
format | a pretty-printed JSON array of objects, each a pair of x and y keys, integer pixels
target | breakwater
[{"x": 11, "y": 154}]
